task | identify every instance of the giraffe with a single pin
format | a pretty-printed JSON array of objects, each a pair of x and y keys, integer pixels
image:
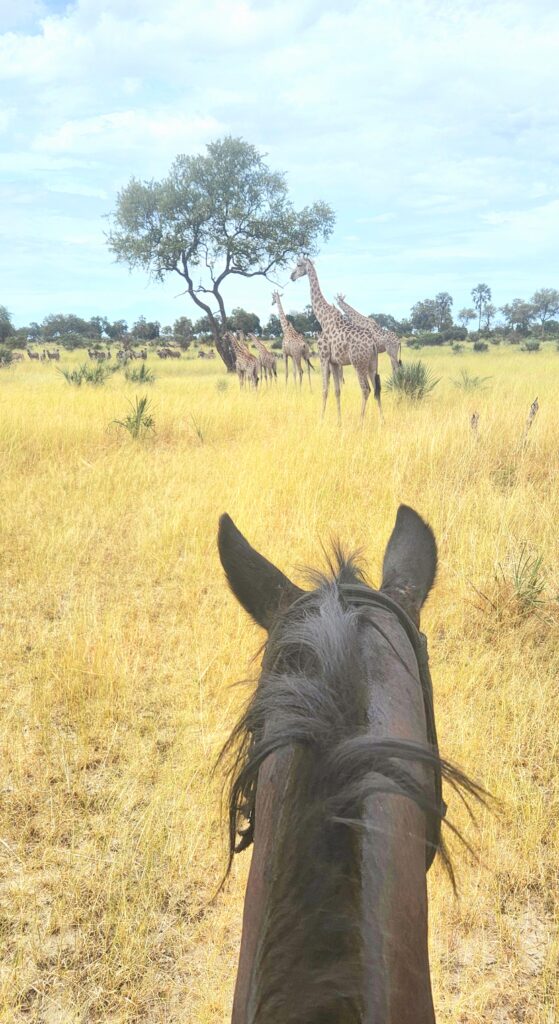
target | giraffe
[
  {"x": 293, "y": 344},
  {"x": 246, "y": 364},
  {"x": 266, "y": 360},
  {"x": 341, "y": 343},
  {"x": 386, "y": 341}
]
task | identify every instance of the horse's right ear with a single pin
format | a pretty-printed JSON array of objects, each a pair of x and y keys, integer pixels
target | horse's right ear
[
  {"x": 410, "y": 562},
  {"x": 262, "y": 589}
]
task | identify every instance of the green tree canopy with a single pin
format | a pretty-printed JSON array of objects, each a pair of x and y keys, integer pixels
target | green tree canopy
[
  {"x": 443, "y": 306},
  {"x": 145, "y": 330},
  {"x": 424, "y": 315},
  {"x": 465, "y": 315},
  {"x": 518, "y": 314},
  {"x": 305, "y": 322},
  {"x": 545, "y": 304},
  {"x": 220, "y": 214},
  {"x": 182, "y": 331},
  {"x": 273, "y": 328},
  {"x": 240, "y": 320},
  {"x": 6, "y": 326}
]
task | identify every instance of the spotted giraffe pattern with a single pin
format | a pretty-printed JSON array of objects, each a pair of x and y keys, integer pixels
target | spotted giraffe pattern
[
  {"x": 266, "y": 359},
  {"x": 246, "y": 364},
  {"x": 341, "y": 343},
  {"x": 294, "y": 345},
  {"x": 386, "y": 341}
]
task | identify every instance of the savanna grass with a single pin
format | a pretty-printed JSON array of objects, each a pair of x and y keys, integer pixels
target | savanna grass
[{"x": 120, "y": 641}]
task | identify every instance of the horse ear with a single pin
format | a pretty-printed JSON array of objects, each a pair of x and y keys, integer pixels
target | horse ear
[
  {"x": 410, "y": 562},
  {"x": 262, "y": 589}
]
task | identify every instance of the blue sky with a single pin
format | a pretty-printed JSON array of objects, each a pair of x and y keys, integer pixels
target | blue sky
[{"x": 431, "y": 128}]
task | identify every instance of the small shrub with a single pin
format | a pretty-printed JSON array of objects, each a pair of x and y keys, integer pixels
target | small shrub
[
  {"x": 86, "y": 374},
  {"x": 517, "y": 589},
  {"x": 480, "y": 346},
  {"x": 6, "y": 355},
  {"x": 413, "y": 343},
  {"x": 413, "y": 381},
  {"x": 467, "y": 383},
  {"x": 277, "y": 344},
  {"x": 139, "y": 375},
  {"x": 530, "y": 346},
  {"x": 139, "y": 421},
  {"x": 457, "y": 348}
]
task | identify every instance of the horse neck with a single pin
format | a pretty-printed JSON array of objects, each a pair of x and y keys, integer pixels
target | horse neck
[{"x": 335, "y": 928}]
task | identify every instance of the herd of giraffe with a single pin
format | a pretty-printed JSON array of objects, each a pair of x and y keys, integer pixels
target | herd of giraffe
[{"x": 347, "y": 337}]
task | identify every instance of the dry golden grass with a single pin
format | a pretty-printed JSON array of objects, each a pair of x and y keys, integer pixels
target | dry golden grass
[{"x": 120, "y": 641}]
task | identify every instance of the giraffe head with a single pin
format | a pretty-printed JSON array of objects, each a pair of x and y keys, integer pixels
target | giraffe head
[
  {"x": 275, "y": 298},
  {"x": 340, "y": 298},
  {"x": 301, "y": 269}
]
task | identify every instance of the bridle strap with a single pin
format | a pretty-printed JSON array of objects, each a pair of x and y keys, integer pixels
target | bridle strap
[{"x": 358, "y": 594}]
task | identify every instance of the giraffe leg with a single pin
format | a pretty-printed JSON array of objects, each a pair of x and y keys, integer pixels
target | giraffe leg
[
  {"x": 297, "y": 362},
  {"x": 375, "y": 381},
  {"x": 365, "y": 389},
  {"x": 336, "y": 373},
  {"x": 309, "y": 373},
  {"x": 286, "y": 362},
  {"x": 325, "y": 383}
]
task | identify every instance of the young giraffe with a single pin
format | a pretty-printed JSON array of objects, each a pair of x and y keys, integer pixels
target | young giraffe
[
  {"x": 266, "y": 360},
  {"x": 386, "y": 341},
  {"x": 341, "y": 343},
  {"x": 246, "y": 364},
  {"x": 293, "y": 345}
]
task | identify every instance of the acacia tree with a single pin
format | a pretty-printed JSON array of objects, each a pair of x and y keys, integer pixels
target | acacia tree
[
  {"x": 217, "y": 215},
  {"x": 465, "y": 315},
  {"x": 545, "y": 304},
  {"x": 481, "y": 295},
  {"x": 518, "y": 314},
  {"x": 6, "y": 326},
  {"x": 443, "y": 304}
]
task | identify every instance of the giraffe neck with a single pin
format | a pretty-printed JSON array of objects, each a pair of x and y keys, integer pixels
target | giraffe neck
[
  {"x": 356, "y": 316},
  {"x": 282, "y": 317},
  {"x": 321, "y": 308}
]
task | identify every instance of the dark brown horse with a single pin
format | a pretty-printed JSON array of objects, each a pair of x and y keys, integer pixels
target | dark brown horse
[{"x": 337, "y": 779}]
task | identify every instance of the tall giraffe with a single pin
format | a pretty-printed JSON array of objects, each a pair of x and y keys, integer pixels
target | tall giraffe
[
  {"x": 341, "y": 343},
  {"x": 294, "y": 345},
  {"x": 267, "y": 359},
  {"x": 386, "y": 341},
  {"x": 246, "y": 364}
]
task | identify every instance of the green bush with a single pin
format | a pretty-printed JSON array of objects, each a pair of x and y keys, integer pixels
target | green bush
[
  {"x": 6, "y": 355},
  {"x": 467, "y": 383},
  {"x": 413, "y": 381},
  {"x": 530, "y": 346},
  {"x": 480, "y": 346},
  {"x": 141, "y": 375},
  {"x": 139, "y": 419},
  {"x": 86, "y": 374}
]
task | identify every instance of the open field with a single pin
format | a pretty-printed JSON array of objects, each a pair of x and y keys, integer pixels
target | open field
[{"x": 119, "y": 642}]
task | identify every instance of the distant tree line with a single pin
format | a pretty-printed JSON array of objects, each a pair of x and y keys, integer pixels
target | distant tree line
[{"x": 430, "y": 321}]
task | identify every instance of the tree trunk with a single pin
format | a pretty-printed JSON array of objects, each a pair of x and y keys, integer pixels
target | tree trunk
[{"x": 224, "y": 347}]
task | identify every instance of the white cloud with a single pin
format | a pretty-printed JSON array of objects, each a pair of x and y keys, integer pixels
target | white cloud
[{"x": 431, "y": 127}]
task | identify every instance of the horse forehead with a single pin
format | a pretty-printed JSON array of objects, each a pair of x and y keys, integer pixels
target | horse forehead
[{"x": 386, "y": 645}]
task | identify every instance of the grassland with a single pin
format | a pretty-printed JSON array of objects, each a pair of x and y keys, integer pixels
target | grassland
[{"x": 120, "y": 642}]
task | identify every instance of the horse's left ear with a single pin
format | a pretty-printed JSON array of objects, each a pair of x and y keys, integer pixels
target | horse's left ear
[
  {"x": 410, "y": 562},
  {"x": 262, "y": 589}
]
